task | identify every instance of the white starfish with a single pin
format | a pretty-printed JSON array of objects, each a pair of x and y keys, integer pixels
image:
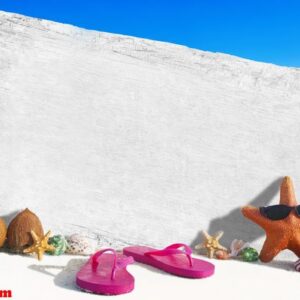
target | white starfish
[{"x": 211, "y": 243}]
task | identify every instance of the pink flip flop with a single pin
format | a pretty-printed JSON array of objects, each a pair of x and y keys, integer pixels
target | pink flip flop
[
  {"x": 106, "y": 274},
  {"x": 172, "y": 260}
]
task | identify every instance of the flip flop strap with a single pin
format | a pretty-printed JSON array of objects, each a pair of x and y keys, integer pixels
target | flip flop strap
[
  {"x": 174, "y": 249},
  {"x": 118, "y": 263}
]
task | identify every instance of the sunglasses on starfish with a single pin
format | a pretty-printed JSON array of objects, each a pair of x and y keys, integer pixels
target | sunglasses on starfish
[{"x": 278, "y": 212}]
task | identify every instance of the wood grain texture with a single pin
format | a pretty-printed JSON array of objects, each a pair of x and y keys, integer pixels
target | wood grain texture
[{"x": 136, "y": 141}]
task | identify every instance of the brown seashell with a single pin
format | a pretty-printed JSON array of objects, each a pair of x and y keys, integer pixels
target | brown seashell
[
  {"x": 221, "y": 254},
  {"x": 3, "y": 232},
  {"x": 18, "y": 232}
]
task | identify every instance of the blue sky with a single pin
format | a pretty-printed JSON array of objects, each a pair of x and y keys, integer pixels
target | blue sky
[{"x": 263, "y": 30}]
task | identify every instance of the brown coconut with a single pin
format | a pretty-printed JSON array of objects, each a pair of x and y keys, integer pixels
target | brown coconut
[
  {"x": 18, "y": 232},
  {"x": 3, "y": 231}
]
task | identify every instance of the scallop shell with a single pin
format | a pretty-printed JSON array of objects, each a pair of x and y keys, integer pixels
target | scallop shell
[{"x": 80, "y": 245}]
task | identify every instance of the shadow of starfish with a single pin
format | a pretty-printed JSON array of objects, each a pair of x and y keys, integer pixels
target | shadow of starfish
[{"x": 235, "y": 225}]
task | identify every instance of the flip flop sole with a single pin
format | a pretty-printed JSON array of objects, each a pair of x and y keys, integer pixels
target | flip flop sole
[
  {"x": 99, "y": 281},
  {"x": 104, "y": 290},
  {"x": 173, "y": 264}
]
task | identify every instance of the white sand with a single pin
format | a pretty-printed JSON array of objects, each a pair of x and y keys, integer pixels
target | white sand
[{"x": 53, "y": 278}]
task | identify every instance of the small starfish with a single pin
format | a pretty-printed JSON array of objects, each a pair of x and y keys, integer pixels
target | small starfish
[
  {"x": 211, "y": 243},
  {"x": 40, "y": 245}
]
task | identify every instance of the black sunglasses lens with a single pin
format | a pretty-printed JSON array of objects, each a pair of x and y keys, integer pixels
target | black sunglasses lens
[
  {"x": 276, "y": 212},
  {"x": 297, "y": 208}
]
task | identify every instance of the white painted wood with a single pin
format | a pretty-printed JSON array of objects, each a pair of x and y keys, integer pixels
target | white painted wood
[{"x": 137, "y": 141}]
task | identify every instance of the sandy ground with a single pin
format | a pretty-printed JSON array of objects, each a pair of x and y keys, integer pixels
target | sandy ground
[{"x": 53, "y": 278}]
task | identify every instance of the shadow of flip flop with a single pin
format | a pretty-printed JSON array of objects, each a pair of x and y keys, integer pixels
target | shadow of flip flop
[{"x": 66, "y": 277}]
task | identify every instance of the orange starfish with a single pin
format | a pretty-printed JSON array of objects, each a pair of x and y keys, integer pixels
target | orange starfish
[{"x": 281, "y": 234}]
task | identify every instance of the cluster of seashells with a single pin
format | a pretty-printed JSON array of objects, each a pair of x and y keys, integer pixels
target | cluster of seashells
[
  {"x": 17, "y": 236},
  {"x": 236, "y": 248}
]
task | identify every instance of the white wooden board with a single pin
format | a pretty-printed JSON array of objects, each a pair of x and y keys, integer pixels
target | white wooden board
[{"x": 136, "y": 141}]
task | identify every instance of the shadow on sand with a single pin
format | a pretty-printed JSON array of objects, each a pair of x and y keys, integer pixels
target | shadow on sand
[{"x": 66, "y": 277}]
